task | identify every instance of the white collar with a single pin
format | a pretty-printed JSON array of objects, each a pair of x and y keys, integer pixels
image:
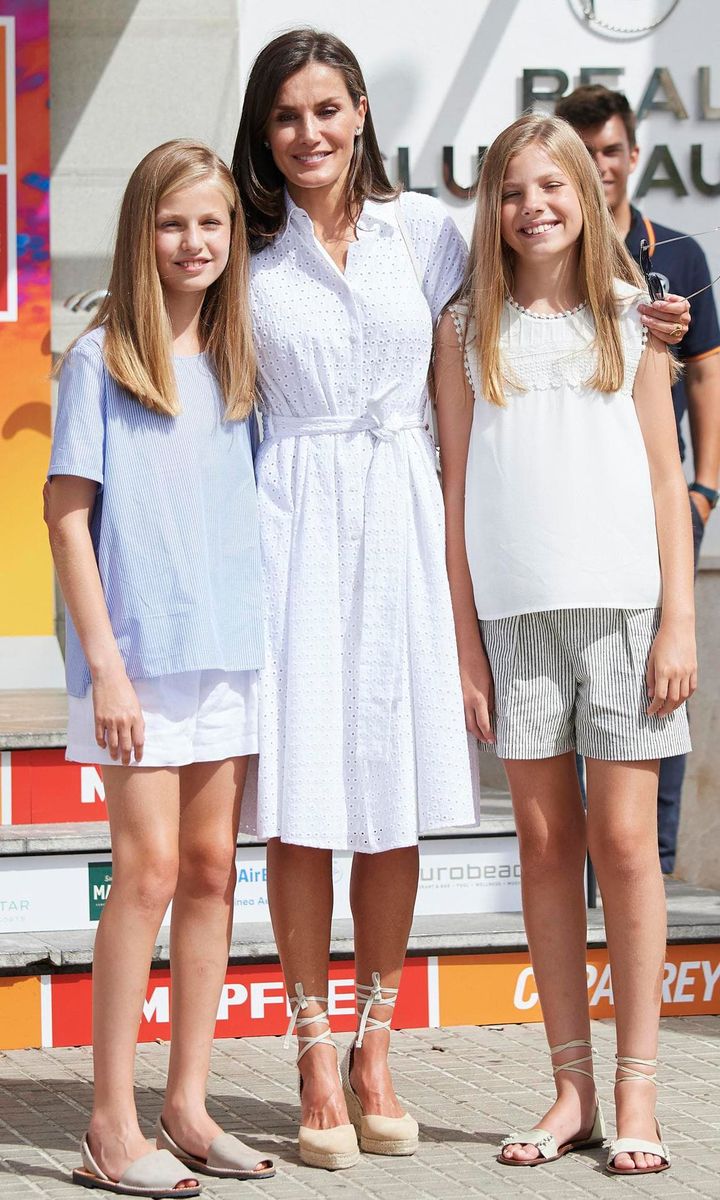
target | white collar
[{"x": 375, "y": 217}]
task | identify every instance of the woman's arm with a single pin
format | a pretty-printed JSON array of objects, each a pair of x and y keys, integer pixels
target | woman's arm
[
  {"x": 119, "y": 723},
  {"x": 672, "y": 667},
  {"x": 454, "y": 418}
]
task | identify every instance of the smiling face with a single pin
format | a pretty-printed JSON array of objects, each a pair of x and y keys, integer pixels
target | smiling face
[
  {"x": 614, "y": 157},
  {"x": 192, "y": 237},
  {"x": 541, "y": 218},
  {"x": 312, "y": 127}
]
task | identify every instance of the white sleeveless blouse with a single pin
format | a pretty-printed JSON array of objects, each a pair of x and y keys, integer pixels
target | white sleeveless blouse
[{"x": 559, "y": 510}]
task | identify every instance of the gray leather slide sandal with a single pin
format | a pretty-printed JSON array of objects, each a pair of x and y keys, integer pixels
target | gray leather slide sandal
[
  {"x": 228, "y": 1157},
  {"x": 154, "y": 1175}
]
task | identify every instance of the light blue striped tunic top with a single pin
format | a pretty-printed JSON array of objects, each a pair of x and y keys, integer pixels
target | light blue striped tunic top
[{"x": 175, "y": 524}]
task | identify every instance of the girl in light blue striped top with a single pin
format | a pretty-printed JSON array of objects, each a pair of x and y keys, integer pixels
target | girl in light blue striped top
[{"x": 152, "y": 515}]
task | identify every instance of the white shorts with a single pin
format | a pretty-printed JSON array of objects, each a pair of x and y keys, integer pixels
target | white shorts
[{"x": 196, "y": 716}]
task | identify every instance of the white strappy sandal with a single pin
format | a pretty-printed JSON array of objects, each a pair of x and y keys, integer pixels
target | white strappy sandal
[
  {"x": 332, "y": 1149},
  {"x": 548, "y": 1149},
  {"x": 630, "y": 1145},
  {"x": 378, "y": 1135}
]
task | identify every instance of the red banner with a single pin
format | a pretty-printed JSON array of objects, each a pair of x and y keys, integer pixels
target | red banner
[
  {"x": 40, "y": 788},
  {"x": 253, "y": 1003}
]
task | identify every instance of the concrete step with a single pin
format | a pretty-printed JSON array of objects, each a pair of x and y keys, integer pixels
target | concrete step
[
  {"x": 693, "y": 918},
  {"x": 34, "y": 718},
  {"x": 69, "y": 837}
]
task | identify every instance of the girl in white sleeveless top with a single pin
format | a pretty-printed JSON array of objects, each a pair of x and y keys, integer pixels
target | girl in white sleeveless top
[{"x": 568, "y": 533}]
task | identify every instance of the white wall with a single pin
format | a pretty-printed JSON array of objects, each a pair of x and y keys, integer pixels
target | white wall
[{"x": 125, "y": 76}]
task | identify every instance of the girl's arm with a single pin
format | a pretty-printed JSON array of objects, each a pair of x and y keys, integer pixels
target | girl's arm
[
  {"x": 454, "y": 418},
  {"x": 119, "y": 723},
  {"x": 672, "y": 666}
]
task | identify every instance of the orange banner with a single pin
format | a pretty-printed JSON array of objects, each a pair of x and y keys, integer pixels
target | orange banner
[
  {"x": 20, "y": 1008},
  {"x": 499, "y": 989}
]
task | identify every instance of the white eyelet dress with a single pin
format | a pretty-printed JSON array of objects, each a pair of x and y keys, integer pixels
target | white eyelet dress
[{"x": 362, "y": 732}]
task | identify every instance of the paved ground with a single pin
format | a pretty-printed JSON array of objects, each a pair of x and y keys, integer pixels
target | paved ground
[{"x": 467, "y": 1087}]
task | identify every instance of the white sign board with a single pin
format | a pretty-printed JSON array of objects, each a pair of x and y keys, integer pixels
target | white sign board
[{"x": 68, "y": 891}]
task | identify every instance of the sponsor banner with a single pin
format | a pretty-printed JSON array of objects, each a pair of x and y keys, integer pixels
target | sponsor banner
[
  {"x": 499, "y": 989},
  {"x": 51, "y": 892},
  {"x": 481, "y": 989},
  {"x": 253, "y": 1003},
  {"x": 99, "y": 883},
  {"x": 457, "y": 875},
  {"x": 469, "y": 875},
  {"x": 20, "y": 1026},
  {"x": 40, "y": 788}
]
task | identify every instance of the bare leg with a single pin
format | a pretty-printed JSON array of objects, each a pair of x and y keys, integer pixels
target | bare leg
[
  {"x": 300, "y": 894},
  {"x": 551, "y": 830},
  {"x": 143, "y": 808},
  {"x": 622, "y": 832},
  {"x": 381, "y": 884}
]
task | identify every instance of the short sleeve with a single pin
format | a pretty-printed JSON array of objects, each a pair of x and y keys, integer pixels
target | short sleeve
[
  {"x": 439, "y": 246},
  {"x": 703, "y": 336},
  {"x": 79, "y": 438}
]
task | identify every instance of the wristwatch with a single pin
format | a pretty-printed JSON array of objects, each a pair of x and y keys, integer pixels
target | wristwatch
[{"x": 710, "y": 495}]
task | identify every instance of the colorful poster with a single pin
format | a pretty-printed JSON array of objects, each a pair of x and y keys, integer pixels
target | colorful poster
[{"x": 26, "y": 606}]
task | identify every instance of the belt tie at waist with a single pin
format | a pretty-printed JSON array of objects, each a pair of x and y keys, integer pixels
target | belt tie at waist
[{"x": 387, "y": 499}]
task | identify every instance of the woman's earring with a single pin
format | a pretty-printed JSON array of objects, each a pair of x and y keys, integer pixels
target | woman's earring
[
  {"x": 358, "y": 131},
  {"x": 266, "y": 145}
]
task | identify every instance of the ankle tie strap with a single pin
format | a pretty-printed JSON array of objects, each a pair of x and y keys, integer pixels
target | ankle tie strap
[
  {"x": 573, "y": 1064},
  {"x": 368, "y": 996},
  {"x": 625, "y": 1063},
  {"x": 296, "y": 1023}
]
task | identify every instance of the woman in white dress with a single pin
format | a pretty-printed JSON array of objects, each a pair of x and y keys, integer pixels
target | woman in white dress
[{"x": 362, "y": 731}]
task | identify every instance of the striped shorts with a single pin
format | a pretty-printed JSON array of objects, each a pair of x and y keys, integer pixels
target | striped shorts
[{"x": 574, "y": 679}]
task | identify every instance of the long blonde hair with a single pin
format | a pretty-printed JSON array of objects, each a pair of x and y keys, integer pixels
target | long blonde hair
[
  {"x": 603, "y": 256},
  {"x": 138, "y": 342}
]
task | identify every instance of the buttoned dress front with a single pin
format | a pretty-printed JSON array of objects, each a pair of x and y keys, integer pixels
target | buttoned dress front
[{"x": 362, "y": 733}]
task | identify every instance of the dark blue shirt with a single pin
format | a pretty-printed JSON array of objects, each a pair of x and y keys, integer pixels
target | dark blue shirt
[{"x": 685, "y": 269}]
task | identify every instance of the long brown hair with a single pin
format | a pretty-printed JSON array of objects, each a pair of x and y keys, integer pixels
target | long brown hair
[
  {"x": 138, "y": 342},
  {"x": 259, "y": 181},
  {"x": 603, "y": 256}
]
